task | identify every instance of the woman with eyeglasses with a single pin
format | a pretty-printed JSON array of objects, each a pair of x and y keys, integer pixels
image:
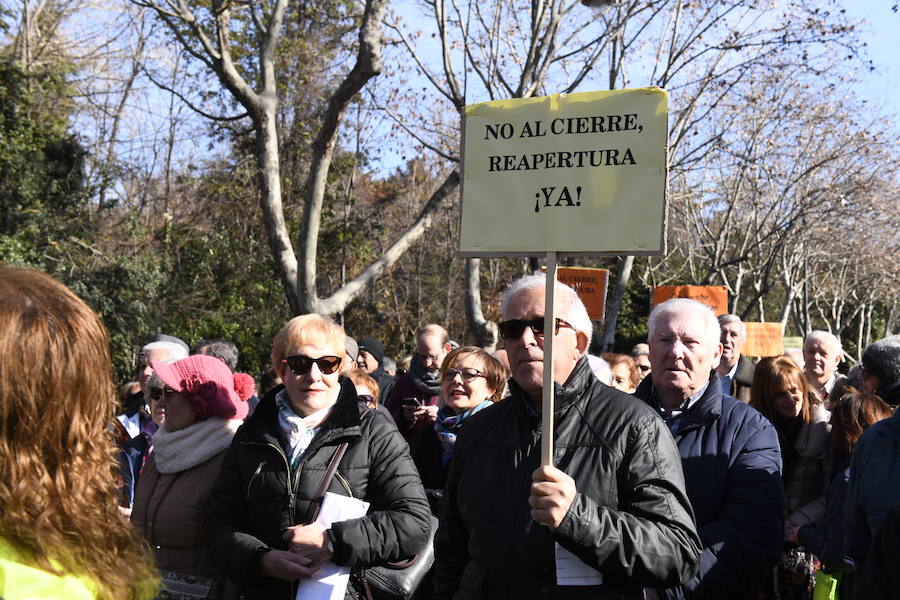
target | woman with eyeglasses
[
  {"x": 471, "y": 380},
  {"x": 202, "y": 409},
  {"x": 261, "y": 520}
]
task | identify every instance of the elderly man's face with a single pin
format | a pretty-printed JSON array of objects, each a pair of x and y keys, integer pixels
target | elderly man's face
[
  {"x": 158, "y": 355},
  {"x": 682, "y": 354},
  {"x": 431, "y": 351},
  {"x": 526, "y": 353},
  {"x": 821, "y": 358},
  {"x": 732, "y": 344}
]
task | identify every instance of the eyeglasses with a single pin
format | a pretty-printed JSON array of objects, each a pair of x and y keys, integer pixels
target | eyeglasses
[
  {"x": 514, "y": 328},
  {"x": 163, "y": 392},
  {"x": 467, "y": 374},
  {"x": 644, "y": 368},
  {"x": 366, "y": 400},
  {"x": 300, "y": 364},
  {"x": 427, "y": 357}
]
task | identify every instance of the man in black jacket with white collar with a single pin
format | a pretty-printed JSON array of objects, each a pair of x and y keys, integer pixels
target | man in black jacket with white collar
[
  {"x": 730, "y": 454},
  {"x": 614, "y": 506}
]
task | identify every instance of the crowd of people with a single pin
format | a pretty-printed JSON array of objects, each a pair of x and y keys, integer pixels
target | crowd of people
[{"x": 683, "y": 470}]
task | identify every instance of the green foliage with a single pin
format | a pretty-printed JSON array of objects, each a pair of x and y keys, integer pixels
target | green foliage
[{"x": 42, "y": 188}]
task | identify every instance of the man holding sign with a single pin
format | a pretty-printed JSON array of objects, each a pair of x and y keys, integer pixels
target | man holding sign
[{"x": 610, "y": 519}]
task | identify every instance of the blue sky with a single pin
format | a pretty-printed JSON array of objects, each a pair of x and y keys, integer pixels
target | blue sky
[{"x": 882, "y": 34}]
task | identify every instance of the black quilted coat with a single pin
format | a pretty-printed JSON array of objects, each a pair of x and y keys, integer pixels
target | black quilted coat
[{"x": 255, "y": 498}]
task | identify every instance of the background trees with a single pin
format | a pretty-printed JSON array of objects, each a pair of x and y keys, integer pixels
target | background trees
[{"x": 209, "y": 169}]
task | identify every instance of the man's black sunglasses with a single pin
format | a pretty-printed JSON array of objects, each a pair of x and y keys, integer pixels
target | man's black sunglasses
[
  {"x": 514, "y": 328},
  {"x": 300, "y": 364}
]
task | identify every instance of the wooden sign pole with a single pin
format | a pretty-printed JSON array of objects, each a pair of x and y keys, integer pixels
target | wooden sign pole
[{"x": 549, "y": 328}]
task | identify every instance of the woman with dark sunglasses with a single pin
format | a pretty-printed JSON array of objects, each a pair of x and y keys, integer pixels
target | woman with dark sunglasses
[{"x": 260, "y": 522}]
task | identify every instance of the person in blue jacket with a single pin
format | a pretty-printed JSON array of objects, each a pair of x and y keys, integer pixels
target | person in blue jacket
[{"x": 729, "y": 453}]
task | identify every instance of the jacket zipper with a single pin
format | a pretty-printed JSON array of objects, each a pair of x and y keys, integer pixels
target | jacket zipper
[
  {"x": 253, "y": 478},
  {"x": 344, "y": 482},
  {"x": 287, "y": 467}
]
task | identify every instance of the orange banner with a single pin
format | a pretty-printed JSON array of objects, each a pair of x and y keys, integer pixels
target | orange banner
[
  {"x": 714, "y": 296},
  {"x": 590, "y": 285},
  {"x": 763, "y": 339}
]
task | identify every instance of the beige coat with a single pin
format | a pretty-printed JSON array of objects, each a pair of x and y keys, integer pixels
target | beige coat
[{"x": 168, "y": 508}]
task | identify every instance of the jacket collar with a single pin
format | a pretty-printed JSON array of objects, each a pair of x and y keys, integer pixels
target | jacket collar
[
  {"x": 344, "y": 420},
  {"x": 564, "y": 395},
  {"x": 704, "y": 411}
]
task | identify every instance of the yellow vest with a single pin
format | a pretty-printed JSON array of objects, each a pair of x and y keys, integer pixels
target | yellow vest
[{"x": 21, "y": 581}]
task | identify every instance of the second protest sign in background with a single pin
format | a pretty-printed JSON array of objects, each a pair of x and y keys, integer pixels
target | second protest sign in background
[{"x": 579, "y": 173}]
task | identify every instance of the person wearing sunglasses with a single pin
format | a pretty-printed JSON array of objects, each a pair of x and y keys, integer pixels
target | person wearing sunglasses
[
  {"x": 203, "y": 409},
  {"x": 260, "y": 522},
  {"x": 615, "y": 500}
]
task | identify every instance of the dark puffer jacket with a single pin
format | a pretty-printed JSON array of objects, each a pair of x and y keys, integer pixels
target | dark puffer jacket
[
  {"x": 732, "y": 468},
  {"x": 253, "y": 503},
  {"x": 630, "y": 518}
]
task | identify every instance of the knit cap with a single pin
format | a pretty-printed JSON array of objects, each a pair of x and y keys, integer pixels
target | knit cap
[
  {"x": 882, "y": 359},
  {"x": 373, "y": 347},
  {"x": 207, "y": 384}
]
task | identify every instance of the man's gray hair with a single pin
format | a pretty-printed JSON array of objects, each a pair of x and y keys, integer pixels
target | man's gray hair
[
  {"x": 730, "y": 318},
  {"x": 824, "y": 336},
  {"x": 682, "y": 306},
  {"x": 176, "y": 351},
  {"x": 154, "y": 382},
  {"x": 569, "y": 306}
]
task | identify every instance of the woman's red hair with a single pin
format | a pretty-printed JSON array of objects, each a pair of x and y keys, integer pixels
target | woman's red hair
[{"x": 57, "y": 461}]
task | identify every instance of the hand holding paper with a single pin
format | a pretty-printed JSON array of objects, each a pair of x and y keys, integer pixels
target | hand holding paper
[
  {"x": 552, "y": 493},
  {"x": 308, "y": 541},
  {"x": 286, "y": 566}
]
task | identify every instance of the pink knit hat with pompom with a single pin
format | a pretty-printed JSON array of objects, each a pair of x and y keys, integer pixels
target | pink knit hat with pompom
[{"x": 207, "y": 384}]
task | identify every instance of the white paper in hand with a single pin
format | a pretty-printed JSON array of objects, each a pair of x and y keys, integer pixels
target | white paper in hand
[
  {"x": 570, "y": 570},
  {"x": 330, "y": 582}
]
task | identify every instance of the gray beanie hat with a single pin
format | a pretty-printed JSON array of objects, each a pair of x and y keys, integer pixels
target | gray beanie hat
[{"x": 882, "y": 359}]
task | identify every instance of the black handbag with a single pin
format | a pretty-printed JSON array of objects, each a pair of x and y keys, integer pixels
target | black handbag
[
  {"x": 394, "y": 581},
  {"x": 399, "y": 580}
]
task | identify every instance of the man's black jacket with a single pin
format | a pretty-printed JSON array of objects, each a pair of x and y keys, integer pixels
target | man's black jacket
[{"x": 630, "y": 518}]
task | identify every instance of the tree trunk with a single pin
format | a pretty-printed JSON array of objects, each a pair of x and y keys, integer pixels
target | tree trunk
[
  {"x": 270, "y": 202},
  {"x": 485, "y": 331},
  {"x": 615, "y": 302}
]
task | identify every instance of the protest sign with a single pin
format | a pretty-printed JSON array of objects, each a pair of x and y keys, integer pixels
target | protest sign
[
  {"x": 569, "y": 173},
  {"x": 763, "y": 339},
  {"x": 714, "y": 296},
  {"x": 590, "y": 285},
  {"x": 573, "y": 173}
]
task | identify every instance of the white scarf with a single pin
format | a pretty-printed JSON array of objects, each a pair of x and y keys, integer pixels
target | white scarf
[
  {"x": 298, "y": 431},
  {"x": 178, "y": 451}
]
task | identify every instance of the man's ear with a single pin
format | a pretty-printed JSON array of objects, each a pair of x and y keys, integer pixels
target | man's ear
[
  {"x": 448, "y": 348},
  {"x": 581, "y": 343},
  {"x": 717, "y": 357}
]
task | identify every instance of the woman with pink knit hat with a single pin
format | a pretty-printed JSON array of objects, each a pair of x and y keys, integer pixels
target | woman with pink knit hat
[{"x": 203, "y": 409}]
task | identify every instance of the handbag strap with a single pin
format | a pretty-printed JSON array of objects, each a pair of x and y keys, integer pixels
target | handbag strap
[{"x": 316, "y": 504}]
